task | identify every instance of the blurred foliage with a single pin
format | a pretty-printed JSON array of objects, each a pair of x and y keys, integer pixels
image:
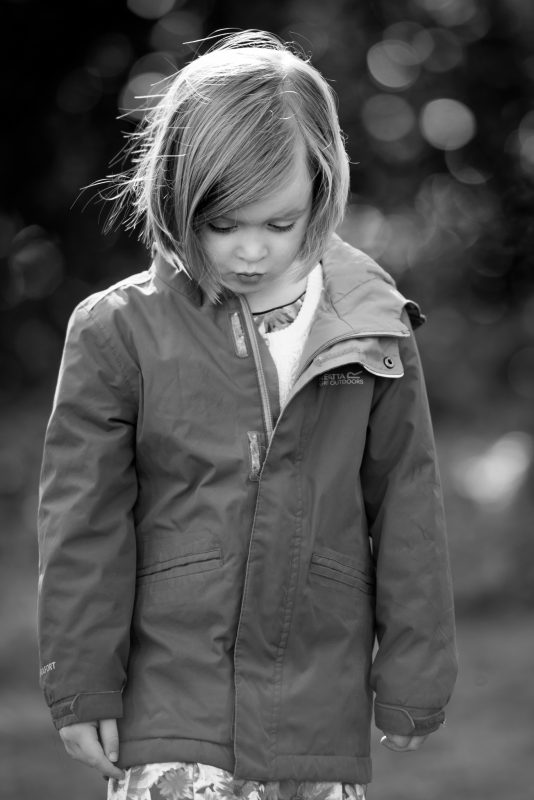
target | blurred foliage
[{"x": 435, "y": 98}]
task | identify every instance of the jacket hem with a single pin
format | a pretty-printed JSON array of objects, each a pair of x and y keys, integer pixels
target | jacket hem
[
  {"x": 136, "y": 752},
  {"x": 309, "y": 767}
]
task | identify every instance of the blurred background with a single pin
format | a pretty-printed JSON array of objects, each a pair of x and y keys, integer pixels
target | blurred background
[{"x": 436, "y": 100}]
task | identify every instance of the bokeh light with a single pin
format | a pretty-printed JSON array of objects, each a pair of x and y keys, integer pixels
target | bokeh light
[
  {"x": 415, "y": 35},
  {"x": 463, "y": 171},
  {"x": 173, "y": 30},
  {"x": 494, "y": 476},
  {"x": 36, "y": 263},
  {"x": 150, "y": 9},
  {"x": 146, "y": 83},
  {"x": 366, "y": 228},
  {"x": 449, "y": 206},
  {"x": 444, "y": 49},
  {"x": 393, "y": 64},
  {"x": 387, "y": 117},
  {"x": 447, "y": 124},
  {"x": 450, "y": 12}
]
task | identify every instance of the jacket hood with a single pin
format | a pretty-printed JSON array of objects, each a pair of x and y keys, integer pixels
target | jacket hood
[
  {"x": 360, "y": 317},
  {"x": 363, "y": 295}
]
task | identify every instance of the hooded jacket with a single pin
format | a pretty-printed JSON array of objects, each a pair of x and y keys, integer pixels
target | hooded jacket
[{"x": 214, "y": 573}]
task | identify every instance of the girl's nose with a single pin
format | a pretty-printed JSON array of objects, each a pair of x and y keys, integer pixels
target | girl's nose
[{"x": 251, "y": 248}]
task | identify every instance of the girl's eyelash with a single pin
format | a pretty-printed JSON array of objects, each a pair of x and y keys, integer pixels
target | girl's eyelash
[
  {"x": 283, "y": 228},
  {"x": 230, "y": 228},
  {"x": 216, "y": 229}
]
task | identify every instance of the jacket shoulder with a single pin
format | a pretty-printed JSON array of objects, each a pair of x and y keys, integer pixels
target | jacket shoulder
[
  {"x": 109, "y": 318},
  {"x": 119, "y": 295}
]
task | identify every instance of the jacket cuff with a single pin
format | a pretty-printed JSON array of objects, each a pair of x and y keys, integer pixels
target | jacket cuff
[
  {"x": 87, "y": 707},
  {"x": 407, "y": 721}
]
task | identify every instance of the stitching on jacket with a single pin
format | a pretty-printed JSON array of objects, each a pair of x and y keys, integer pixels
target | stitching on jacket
[
  {"x": 289, "y": 599},
  {"x": 103, "y": 691},
  {"x": 317, "y": 557},
  {"x": 208, "y": 548},
  {"x": 371, "y": 277},
  {"x": 113, "y": 349}
]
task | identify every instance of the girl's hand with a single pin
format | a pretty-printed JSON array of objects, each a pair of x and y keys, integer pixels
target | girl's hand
[
  {"x": 95, "y": 744},
  {"x": 402, "y": 744}
]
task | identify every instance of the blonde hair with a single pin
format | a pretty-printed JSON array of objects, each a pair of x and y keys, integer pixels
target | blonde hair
[{"x": 224, "y": 134}]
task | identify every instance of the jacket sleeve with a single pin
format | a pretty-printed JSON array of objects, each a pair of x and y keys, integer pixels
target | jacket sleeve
[
  {"x": 415, "y": 665},
  {"x": 87, "y": 552}
]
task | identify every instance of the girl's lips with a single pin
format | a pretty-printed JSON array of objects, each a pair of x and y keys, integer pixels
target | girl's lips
[{"x": 248, "y": 277}]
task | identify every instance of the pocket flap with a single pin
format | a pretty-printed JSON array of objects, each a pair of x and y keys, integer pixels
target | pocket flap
[
  {"x": 338, "y": 567},
  {"x": 173, "y": 549}
]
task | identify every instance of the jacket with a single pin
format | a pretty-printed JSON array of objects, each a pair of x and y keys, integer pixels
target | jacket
[{"x": 214, "y": 573}]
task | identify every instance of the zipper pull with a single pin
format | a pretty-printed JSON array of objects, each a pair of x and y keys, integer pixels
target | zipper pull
[
  {"x": 255, "y": 448},
  {"x": 240, "y": 342}
]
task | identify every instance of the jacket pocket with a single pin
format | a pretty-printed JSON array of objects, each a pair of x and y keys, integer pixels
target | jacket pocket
[
  {"x": 337, "y": 570},
  {"x": 177, "y": 556}
]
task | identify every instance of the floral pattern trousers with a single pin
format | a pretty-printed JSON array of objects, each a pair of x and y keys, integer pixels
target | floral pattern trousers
[{"x": 185, "y": 781}]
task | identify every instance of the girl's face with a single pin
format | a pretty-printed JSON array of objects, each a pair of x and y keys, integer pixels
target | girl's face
[{"x": 255, "y": 247}]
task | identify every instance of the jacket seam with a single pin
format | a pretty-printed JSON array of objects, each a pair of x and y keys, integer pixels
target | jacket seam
[
  {"x": 136, "y": 279},
  {"x": 290, "y": 604},
  {"x": 113, "y": 349},
  {"x": 168, "y": 283},
  {"x": 363, "y": 283}
]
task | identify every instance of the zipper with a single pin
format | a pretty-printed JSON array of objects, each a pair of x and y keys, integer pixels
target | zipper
[{"x": 262, "y": 383}]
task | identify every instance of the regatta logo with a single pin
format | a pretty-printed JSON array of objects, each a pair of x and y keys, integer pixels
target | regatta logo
[
  {"x": 47, "y": 668},
  {"x": 340, "y": 378}
]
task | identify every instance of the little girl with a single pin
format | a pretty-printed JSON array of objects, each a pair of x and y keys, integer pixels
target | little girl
[{"x": 239, "y": 487}]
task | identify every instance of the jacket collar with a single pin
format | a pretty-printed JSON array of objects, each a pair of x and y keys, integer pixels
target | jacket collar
[
  {"x": 360, "y": 314},
  {"x": 359, "y": 298},
  {"x": 177, "y": 280}
]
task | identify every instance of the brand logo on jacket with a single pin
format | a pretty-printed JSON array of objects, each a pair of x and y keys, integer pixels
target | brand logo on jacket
[
  {"x": 341, "y": 378},
  {"x": 47, "y": 668}
]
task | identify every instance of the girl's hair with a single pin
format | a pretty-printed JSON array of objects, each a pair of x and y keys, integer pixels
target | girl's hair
[{"x": 224, "y": 134}]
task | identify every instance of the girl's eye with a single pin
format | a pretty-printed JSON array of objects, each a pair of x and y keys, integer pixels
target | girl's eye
[
  {"x": 282, "y": 228},
  {"x": 221, "y": 229}
]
